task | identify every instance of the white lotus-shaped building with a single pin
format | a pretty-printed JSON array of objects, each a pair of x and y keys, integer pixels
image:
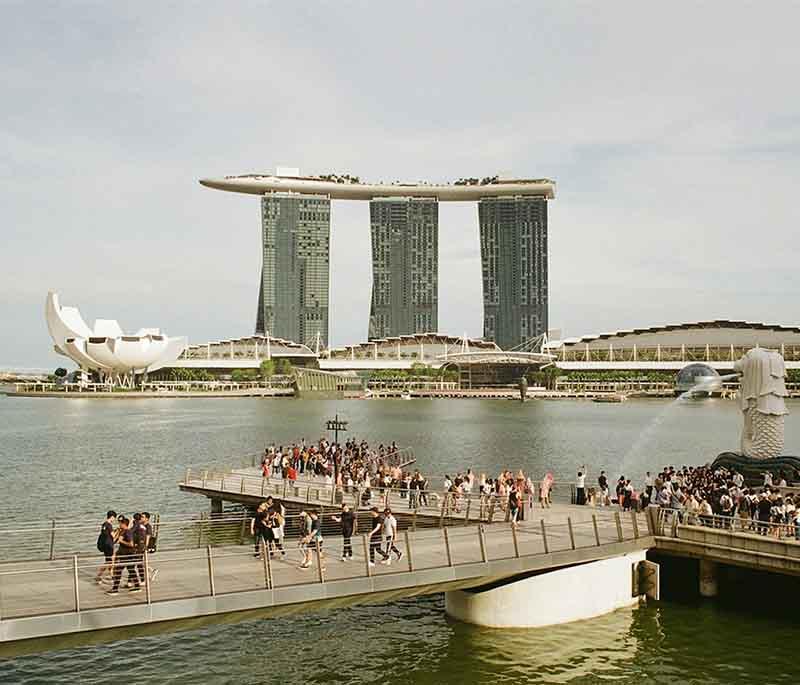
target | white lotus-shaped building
[{"x": 105, "y": 348}]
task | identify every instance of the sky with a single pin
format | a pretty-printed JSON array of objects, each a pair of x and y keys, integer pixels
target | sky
[{"x": 671, "y": 129}]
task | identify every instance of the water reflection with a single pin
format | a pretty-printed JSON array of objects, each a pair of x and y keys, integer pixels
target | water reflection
[{"x": 603, "y": 647}]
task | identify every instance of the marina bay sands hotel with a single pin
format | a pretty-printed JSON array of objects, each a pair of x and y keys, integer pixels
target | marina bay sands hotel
[{"x": 404, "y": 225}]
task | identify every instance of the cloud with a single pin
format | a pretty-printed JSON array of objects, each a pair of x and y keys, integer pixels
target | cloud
[{"x": 673, "y": 140}]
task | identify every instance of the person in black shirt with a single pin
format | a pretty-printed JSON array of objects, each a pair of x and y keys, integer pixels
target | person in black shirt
[
  {"x": 764, "y": 508},
  {"x": 105, "y": 544},
  {"x": 150, "y": 541},
  {"x": 125, "y": 557},
  {"x": 602, "y": 482},
  {"x": 259, "y": 526},
  {"x": 139, "y": 545},
  {"x": 376, "y": 524},
  {"x": 348, "y": 520}
]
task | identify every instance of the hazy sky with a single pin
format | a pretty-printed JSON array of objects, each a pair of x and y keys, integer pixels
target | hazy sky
[{"x": 672, "y": 130}]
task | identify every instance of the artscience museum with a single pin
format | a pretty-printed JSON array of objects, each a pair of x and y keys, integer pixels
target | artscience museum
[{"x": 105, "y": 350}]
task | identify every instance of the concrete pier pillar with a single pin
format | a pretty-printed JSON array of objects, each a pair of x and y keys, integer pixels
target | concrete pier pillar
[
  {"x": 568, "y": 594},
  {"x": 709, "y": 586},
  {"x": 216, "y": 506}
]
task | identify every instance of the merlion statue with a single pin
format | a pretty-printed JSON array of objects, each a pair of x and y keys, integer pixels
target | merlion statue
[{"x": 761, "y": 393}]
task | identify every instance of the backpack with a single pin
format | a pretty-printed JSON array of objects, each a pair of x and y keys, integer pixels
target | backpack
[{"x": 103, "y": 541}]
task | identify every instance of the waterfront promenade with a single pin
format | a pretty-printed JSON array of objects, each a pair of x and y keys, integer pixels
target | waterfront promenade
[
  {"x": 47, "y": 599},
  {"x": 59, "y": 597}
]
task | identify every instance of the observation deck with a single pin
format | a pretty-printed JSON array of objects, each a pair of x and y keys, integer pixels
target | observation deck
[{"x": 351, "y": 188}]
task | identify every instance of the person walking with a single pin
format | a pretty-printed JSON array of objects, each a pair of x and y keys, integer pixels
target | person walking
[
  {"x": 125, "y": 557},
  {"x": 376, "y": 523},
  {"x": 105, "y": 545},
  {"x": 139, "y": 546},
  {"x": 348, "y": 521},
  {"x": 389, "y": 528}
]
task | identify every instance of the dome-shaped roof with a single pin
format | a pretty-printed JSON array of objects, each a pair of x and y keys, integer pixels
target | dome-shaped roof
[{"x": 701, "y": 377}]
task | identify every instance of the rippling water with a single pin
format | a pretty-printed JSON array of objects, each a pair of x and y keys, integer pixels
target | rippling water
[{"x": 76, "y": 458}]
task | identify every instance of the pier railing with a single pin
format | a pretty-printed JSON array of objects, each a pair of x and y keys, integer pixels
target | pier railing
[
  {"x": 670, "y": 519},
  {"x": 34, "y": 588}
]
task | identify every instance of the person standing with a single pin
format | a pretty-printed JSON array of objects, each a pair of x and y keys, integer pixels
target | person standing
[
  {"x": 580, "y": 486},
  {"x": 513, "y": 505},
  {"x": 258, "y": 529},
  {"x": 602, "y": 483},
  {"x": 648, "y": 485},
  {"x": 105, "y": 545},
  {"x": 413, "y": 491},
  {"x": 389, "y": 527},
  {"x": 313, "y": 540},
  {"x": 544, "y": 490},
  {"x": 376, "y": 523},
  {"x": 276, "y": 520},
  {"x": 150, "y": 541},
  {"x": 348, "y": 521}
]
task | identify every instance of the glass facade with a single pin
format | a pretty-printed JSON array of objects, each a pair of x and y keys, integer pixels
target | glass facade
[
  {"x": 513, "y": 234},
  {"x": 405, "y": 266},
  {"x": 295, "y": 275}
]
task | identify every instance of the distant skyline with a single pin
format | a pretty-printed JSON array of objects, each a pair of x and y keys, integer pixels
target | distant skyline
[{"x": 672, "y": 131}]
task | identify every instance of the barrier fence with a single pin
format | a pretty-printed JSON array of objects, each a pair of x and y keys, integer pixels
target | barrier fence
[
  {"x": 228, "y": 479},
  {"x": 66, "y": 585},
  {"x": 670, "y": 519}
]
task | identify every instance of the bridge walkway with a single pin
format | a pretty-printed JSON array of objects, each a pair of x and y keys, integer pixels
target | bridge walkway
[
  {"x": 732, "y": 541},
  {"x": 45, "y": 598}
]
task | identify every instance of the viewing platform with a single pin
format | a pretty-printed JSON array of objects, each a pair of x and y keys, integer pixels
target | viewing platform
[
  {"x": 58, "y": 600},
  {"x": 483, "y": 568}
]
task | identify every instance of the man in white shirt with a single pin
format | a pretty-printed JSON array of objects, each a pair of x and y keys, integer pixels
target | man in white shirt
[
  {"x": 580, "y": 486},
  {"x": 389, "y": 530}
]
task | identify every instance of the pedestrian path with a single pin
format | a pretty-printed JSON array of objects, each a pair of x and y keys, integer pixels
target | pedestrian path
[{"x": 44, "y": 598}]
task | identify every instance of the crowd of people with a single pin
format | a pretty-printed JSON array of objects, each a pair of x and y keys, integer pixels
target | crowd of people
[
  {"x": 352, "y": 467},
  {"x": 123, "y": 548},
  {"x": 268, "y": 529},
  {"x": 720, "y": 497},
  {"x": 702, "y": 495},
  {"x": 694, "y": 494}
]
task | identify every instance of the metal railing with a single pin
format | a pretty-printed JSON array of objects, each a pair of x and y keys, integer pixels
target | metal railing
[
  {"x": 273, "y": 383},
  {"x": 491, "y": 506},
  {"x": 447, "y": 505},
  {"x": 670, "y": 519},
  {"x": 56, "y": 539},
  {"x": 68, "y": 585}
]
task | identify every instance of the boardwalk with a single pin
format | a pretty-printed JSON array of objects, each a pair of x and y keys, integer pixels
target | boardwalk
[
  {"x": 57, "y": 599},
  {"x": 247, "y": 486},
  {"x": 46, "y": 598}
]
